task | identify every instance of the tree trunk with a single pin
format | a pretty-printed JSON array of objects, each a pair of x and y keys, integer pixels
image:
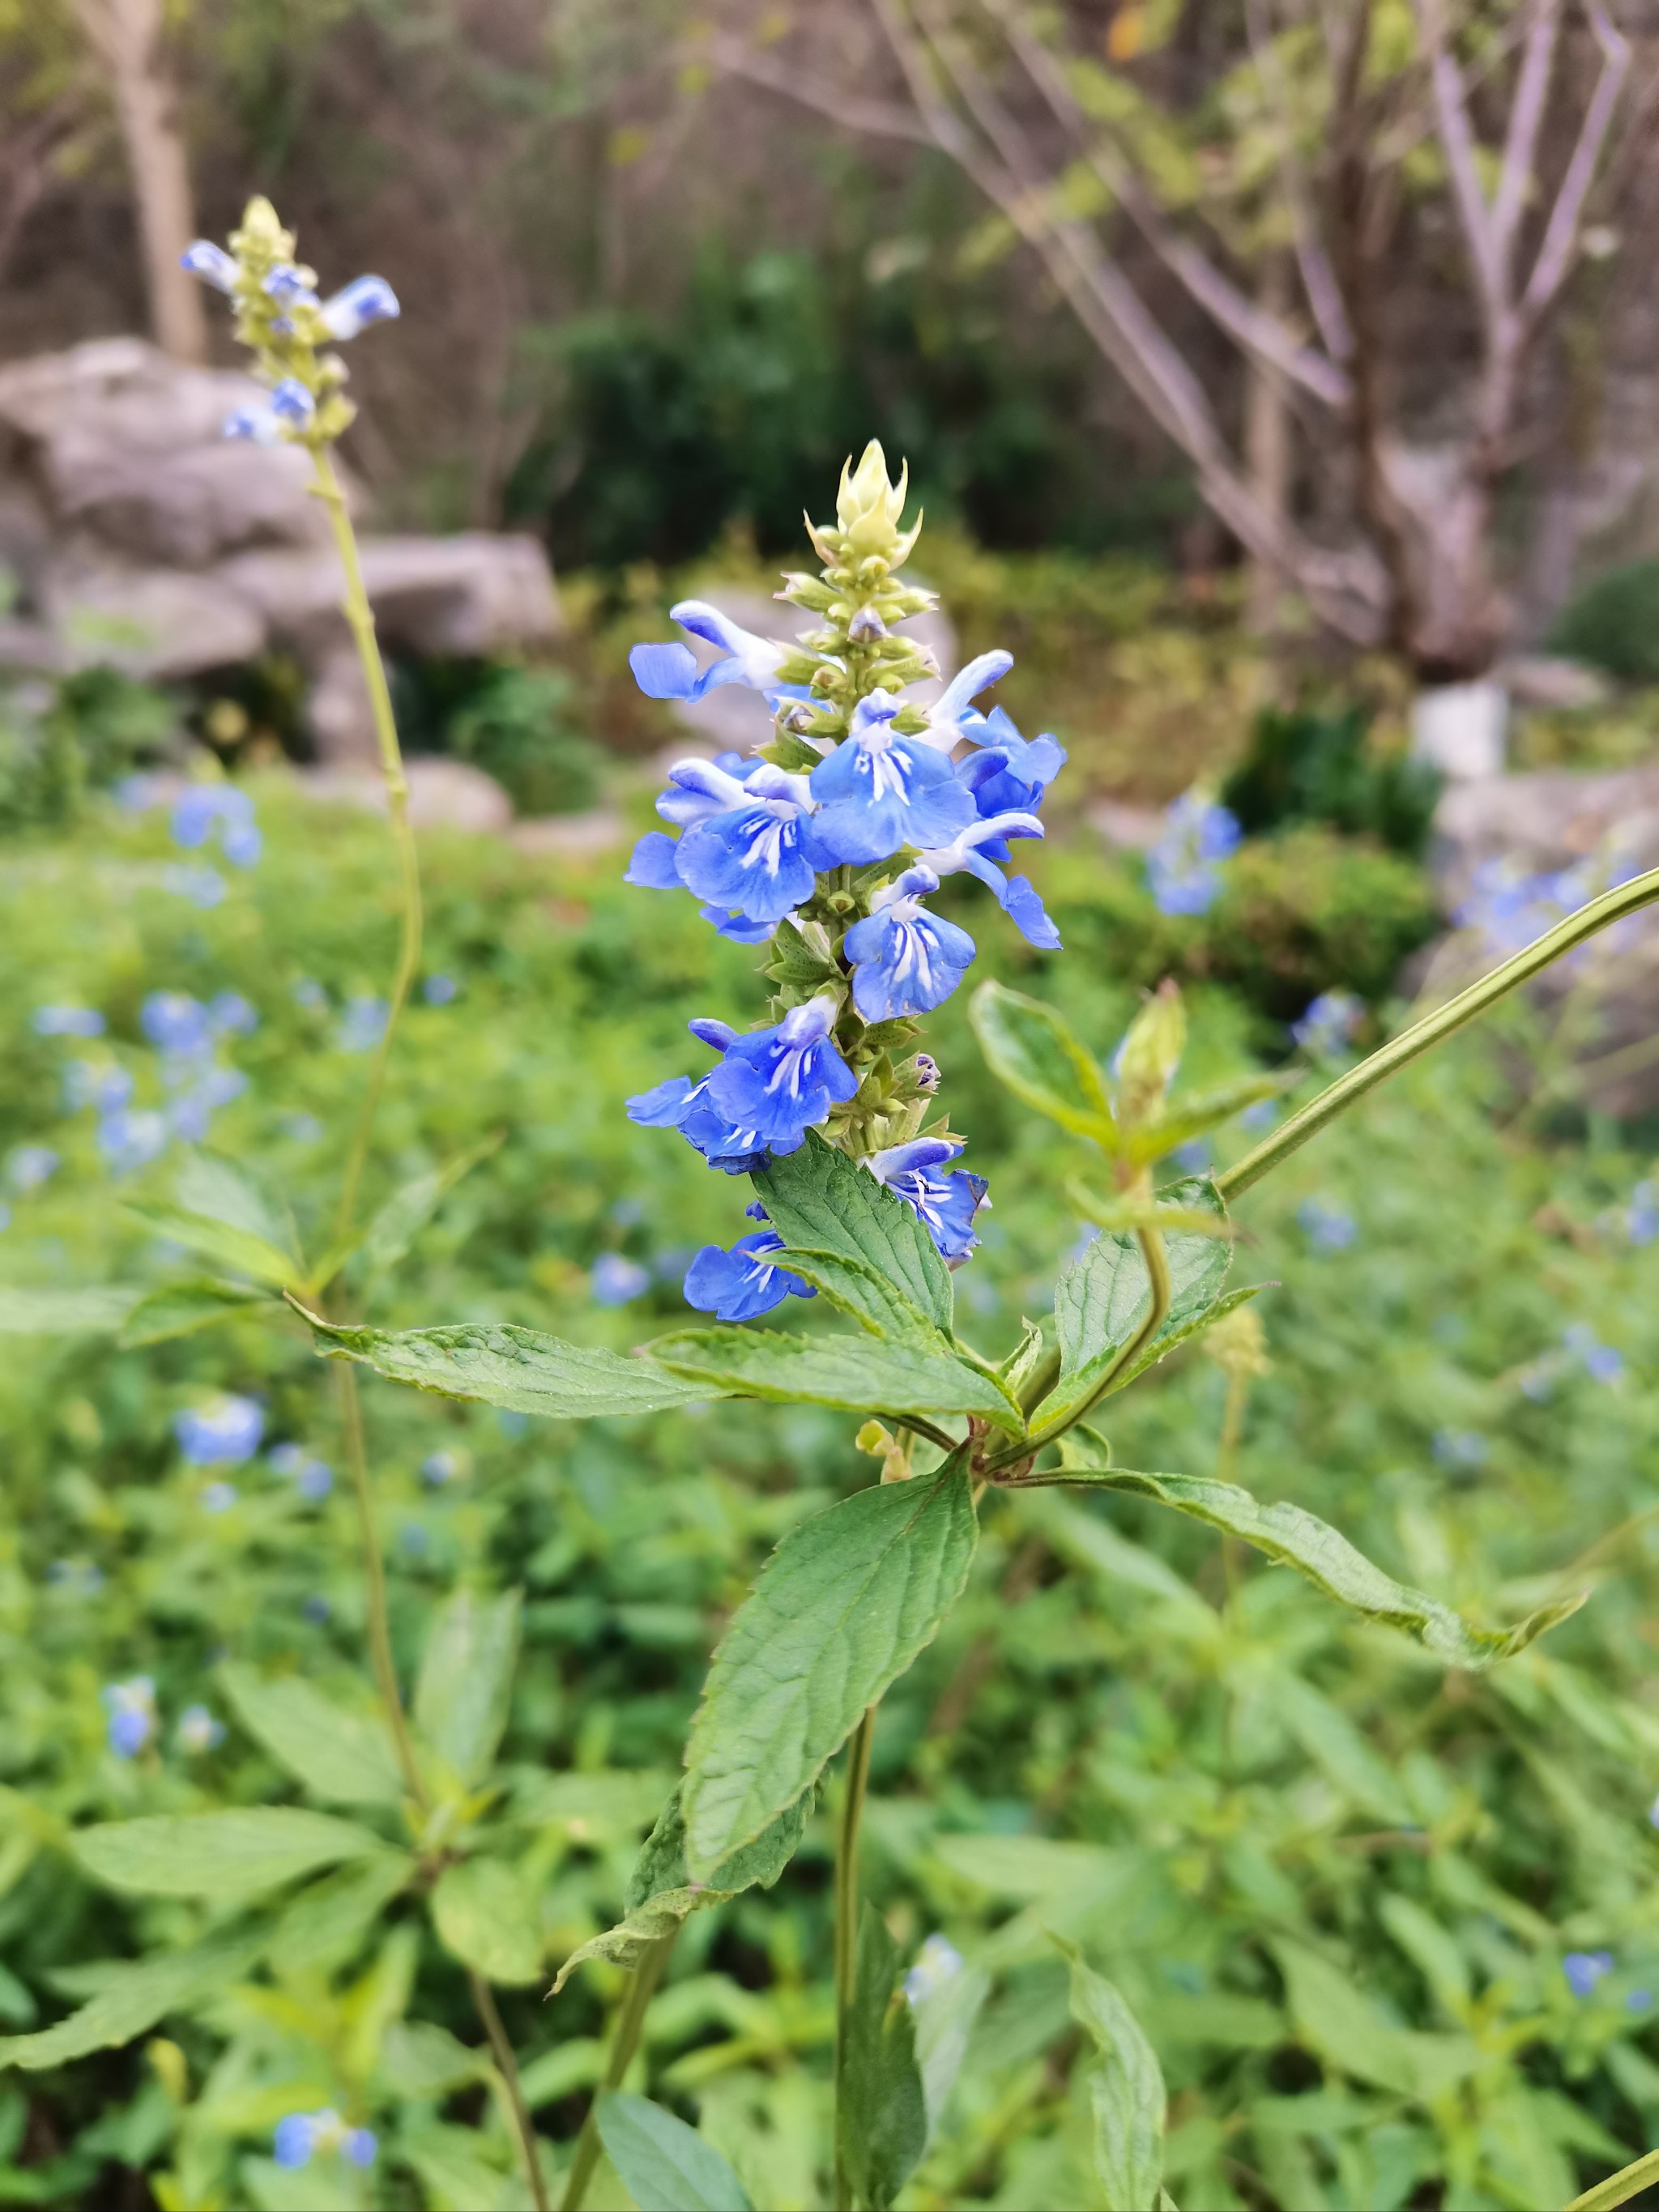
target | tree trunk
[
  {"x": 126, "y": 35},
  {"x": 1267, "y": 448}
]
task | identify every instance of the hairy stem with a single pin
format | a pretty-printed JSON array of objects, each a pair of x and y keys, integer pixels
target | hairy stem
[
  {"x": 360, "y": 615},
  {"x": 483, "y": 1998},
  {"x": 1612, "y": 906},
  {"x": 624, "y": 2042},
  {"x": 847, "y": 1920}
]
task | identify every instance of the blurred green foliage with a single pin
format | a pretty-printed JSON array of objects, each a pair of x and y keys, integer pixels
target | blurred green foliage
[
  {"x": 1316, "y": 763},
  {"x": 1612, "y": 623},
  {"x": 60, "y": 742},
  {"x": 1335, "y": 1883}
]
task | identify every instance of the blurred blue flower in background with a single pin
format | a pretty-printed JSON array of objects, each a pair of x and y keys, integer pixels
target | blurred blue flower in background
[
  {"x": 1327, "y": 1227},
  {"x": 222, "y": 1433},
  {"x": 616, "y": 1279},
  {"x": 1584, "y": 1969},
  {"x": 198, "y": 1729},
  {"x": 1600, "y": 1361},
  {"x": 132, "y": 1717},
  {"x": 68, "y": 1021},
  {"x": 220, "y": 811},
  {"x": 1181, "y": 867},
  {"x": 439, "y": 990},
  {"x": 362, "y": 1024},
  {"x": 31, "y": 1165},
  {"x": 301, "y": 2135},
  {"x": 1328, "y": 1024}
]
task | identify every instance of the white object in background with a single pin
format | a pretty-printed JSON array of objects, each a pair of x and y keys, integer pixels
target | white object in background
[{"x": 1460, "y": 728}]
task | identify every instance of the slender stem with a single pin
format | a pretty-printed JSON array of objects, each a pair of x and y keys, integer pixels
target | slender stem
[
  {"x": 624, "y": 2042},
  {"x": 360, "y": 615},
  {"x": 1619, "y": 2188},
  {"x": 506, "y": 2066},
  {"x": 1612, "y": 906},
  {"x": 847, "y": 1920},
  {"x": 380, "y": 1625}
]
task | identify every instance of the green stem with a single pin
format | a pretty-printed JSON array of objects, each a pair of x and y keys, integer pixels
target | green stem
[
  {"x": 1158, "y": 1271},
  {"x": 506, "y": 2066},
  {"x": 379, "y": 1624},
  {"x": 624, "y": 2042},
  {"x": 1612, "y": 906},
  {"x": 360, "y": 615},
  {"x": 847, "y": 1920},
  {"x": 1619, "y": 2188}
]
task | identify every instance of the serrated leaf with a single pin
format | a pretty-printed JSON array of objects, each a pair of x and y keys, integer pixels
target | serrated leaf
[
  {"x": 660, "y": 1894},
  {"x": 465, "y": 1683},
  {"x": 665, "y": 2166},
  {"x": 218, "y": 1854},
  {"x": 854, "y": 1373},
  {"x": 1294, "y": 1538},
  {"x": 96, "y": 1311},
  {"x": 484, "y": 1913},
  {"x": 819, "y": 1200},
  {"x": 181, "y": 1309},
  {"x": 344, "y": 1757},
  {"x": 223, "y": 1242},
  {"x": 861, "y": 1292},
  {"x": 1127, "y": 2092},
  {"x": 1032, "y": 1049},
  {"x": 518, "y": 1369},
  {"x": 881, "y": 2109},
  {"x": 1103, "y": 1299},
  {"x": 132, "y": 1999},
  {"x": 838, "y": 1613}
]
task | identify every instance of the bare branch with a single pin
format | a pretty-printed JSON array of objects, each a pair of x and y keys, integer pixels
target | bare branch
[
  {"x": 1318, "y": 277},
  {"x": 875, "y": 119},
  {"x": 1558, "y": 253},
  {"x": 1457, "y": 135},
  {"x": 1532, "y": 92}
]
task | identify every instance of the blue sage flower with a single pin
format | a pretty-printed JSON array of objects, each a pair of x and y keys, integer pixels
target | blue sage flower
[
  {"x": 222, "y": 1433},
  {"x": 301, "y": 2135},
  {"x": 680, "y": 1103},
  {"x": 781, "y": 1082},
  {"x": 670, "y": 671},
  {"x": 741, "y": 1283},
  {"x": 1181, "y": 867},
  {"x": 905, "y": 960},
  {"x": 174, "y": 1022},
  {"x": 365, "y": 300},
  {"x": 255, "y": 424},
  {"x": 1584, "y": 1969},
  {"x": 1328, "y": 1022},
  {"x": 878, "y": 792},
  {"x": 132, "y": 1717},
  {"x": 944, "y": 1204},
  {"x": 1009, "y": 774},
  {"x": 67, "y": 1021},
  {"x": 206, "y": 809},
  {"x": 951, "y": 716},
  {"x": 202, "y": 258},
  {"x": 616, "y": 1279},
  {"x": 291, "y": 404},
  {"x": 970, "y": 851},
  {"x": 759, "y": 857}
]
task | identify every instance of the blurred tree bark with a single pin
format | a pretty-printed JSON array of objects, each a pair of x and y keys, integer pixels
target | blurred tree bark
[
  {"x": 126, "y": 36},
  {"x": 1361, "y": 115}
]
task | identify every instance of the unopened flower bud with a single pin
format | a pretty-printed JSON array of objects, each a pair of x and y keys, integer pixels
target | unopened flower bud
[
  {"x": 866, "y": 627},
  {"x": 1149, "y": 1055}
]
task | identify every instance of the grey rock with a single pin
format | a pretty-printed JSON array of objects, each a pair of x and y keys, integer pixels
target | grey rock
[
  {"x": 570, "y": 836},
  {"x": 1544, "y": 684},
  {"x": 154, "y": 623},
  {"x": 472, "y": 593},
  {"x": 443, "y": 794}
]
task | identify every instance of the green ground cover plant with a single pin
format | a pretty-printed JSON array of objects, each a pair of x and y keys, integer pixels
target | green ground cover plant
[{"x": 1375, "y": 1910}]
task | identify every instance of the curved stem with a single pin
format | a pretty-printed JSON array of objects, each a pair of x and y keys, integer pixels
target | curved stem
[
  {"x": 1619, "y": 2188},
  {"x": 624, "y": 2042},
  {"x": 506, "y": 2066},
  {"x": 1612, "y": 906},
  {"x": 360, "y": 615},
  {"x": 847, "y": 1917}
]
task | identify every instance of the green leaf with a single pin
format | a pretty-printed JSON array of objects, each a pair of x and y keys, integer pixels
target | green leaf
[
  {"x": 222, "y": 1243},
  {"x": 484, "y": 1913},
  {"x": 1128, "y": 2093},
  {"x": 180, "y": 1308},
  {"x": 944, "y": 2020},
  {"x": 839, "y": 1612},
  {"x": 1336, "y": 2019},
  {"x": 218, "y": 1854},
  {"x": 1035, "y": 1053},
  {"x": 881, "y": 2109},
  {"x": 821, "y": 1202},
  {"x": 96, "y": 1311},
  {"x": 518, "y": 1369},
  {"x": 1196, "y": 1112},
  {"x": 849, "y": 1371},
  {"x": 1293, "y": 1538},
  {"x": 344, "y": 1757},
  {"x": 465, "y": 1684},
  {"x": 660, "y": 1894},
  {"x": 1103, "y": 1299},
  {"x": 329, "y": 1920},
  {"x": 421, "y": 2060},
  {"x": 665, "y": 2166},
  {"x": 132, "y": 1999},
  {"x": 407, "y": 1212}
]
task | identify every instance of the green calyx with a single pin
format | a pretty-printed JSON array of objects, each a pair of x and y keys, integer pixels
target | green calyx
[{"x": 287, "y": 339}]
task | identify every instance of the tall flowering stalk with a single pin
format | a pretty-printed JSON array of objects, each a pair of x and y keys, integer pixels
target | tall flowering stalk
[
  {"x": 292, "y": 332},
  {"x": 824, "y": 844}
]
